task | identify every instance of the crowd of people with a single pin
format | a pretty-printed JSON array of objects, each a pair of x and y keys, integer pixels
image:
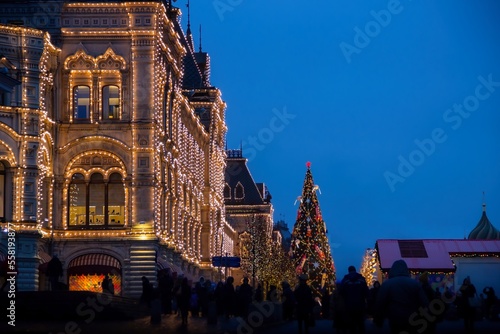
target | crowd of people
[{"x": 407, "y": 304}]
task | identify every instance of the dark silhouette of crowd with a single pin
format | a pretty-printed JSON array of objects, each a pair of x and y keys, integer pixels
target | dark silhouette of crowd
[{"x": 408, "y": 304}]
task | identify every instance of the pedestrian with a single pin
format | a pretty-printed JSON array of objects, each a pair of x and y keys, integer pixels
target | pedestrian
[
  {"x": 431, "y": 295},
  {"x": 372, "y": 297},
  {"x": 259, "y": 294},
  {"x": 183, "y": 300},
  {"x": 245, "y": 297},
  {"x": 166, "y": 285},
  {"x": 105, "y": 284},
  {"x": 338, "y": 310},
  {"x": 490, "y": 300},
  {"x": 399, "y": 298},
  {"x": 465, "y": 304},
  {"x": 111, "y": 286},
  {"x": 325, "y": 302},
  {"x": 288, "y": 299},
  {"x": 354, "y": 291},
  {"x": 229, "y": 297},
  {"x": 305, "y": 303},
  {"x": 54, "y": 271},
  {"x": 147, "y": 291},
  {"x": 219, "y": 298}
]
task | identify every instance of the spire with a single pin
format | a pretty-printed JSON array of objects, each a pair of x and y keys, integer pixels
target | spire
[
  {"x": 484, "y": 204},
  {"x": 188, "y": 31},
  {"x": 200, "y": 40}
]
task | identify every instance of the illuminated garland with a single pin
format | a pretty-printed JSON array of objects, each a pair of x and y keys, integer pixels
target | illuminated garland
[{"x": 310, "y": 248}]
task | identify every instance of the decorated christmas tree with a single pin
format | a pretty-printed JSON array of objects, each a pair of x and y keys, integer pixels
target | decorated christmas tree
[{"x": 310, "y": 249}]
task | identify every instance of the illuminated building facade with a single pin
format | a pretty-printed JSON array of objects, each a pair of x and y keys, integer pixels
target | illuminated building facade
[
  {"x": 248, "y": 206},
  {"x": 117, "y": 164}
]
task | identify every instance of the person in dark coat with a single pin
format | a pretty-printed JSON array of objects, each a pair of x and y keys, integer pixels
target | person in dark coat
[
  {"x": 288, "y": 301},
  {"x": 229, "y": 297},
  {"x": 305, "y": 303},
  {"x": 489, "y": 302},
  {"x": 147, "y": 291},
  {"x": 465, "y": 309},
  {"x": 354, "y": 291},
  {"x": 338, "y": 310},
  {"x": 431, "y": 295},
  {"x": 259, "y": 294},
  {"x": 166, "y": 285},
  {"x": 54, "y": 271},
  {"x": 399, "y": 298},
  {"x": 183, "y": 300},
  {"x": 372, "y": 297},
  {"x": 219, "y": 298},
  {"x": 325, "y": 302},
  {"x": 105, "y": 284},
  {"x": 245, "y": 297}
]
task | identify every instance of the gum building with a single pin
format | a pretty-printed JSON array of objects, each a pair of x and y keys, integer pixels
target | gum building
[{"x": 111, "y": 145}]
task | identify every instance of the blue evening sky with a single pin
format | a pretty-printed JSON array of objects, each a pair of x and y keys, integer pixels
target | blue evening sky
[{"x": 396, "y": 105}]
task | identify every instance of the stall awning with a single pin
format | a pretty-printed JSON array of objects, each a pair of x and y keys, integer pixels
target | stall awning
[{"x": 94, "y": 263}]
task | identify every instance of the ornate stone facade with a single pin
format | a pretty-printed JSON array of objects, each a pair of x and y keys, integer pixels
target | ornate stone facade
[{"x": 117, "y": 165}]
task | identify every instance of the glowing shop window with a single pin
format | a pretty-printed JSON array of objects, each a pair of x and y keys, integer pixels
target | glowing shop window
[{"x": 92, "y": 282}]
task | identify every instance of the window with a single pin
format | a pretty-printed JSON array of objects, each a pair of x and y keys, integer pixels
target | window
[
  {"x": 110, "y": 102},
  {"x": 412, "y": 248},
  {"x": 239, "y": 192},
  {"x": 30, "y": 91},
  {"x": 96, "y": 199},
  {"x": 227, "y": 191},
  {"x": 98, "y": 203},
  {"x": 81, "y": 102}
]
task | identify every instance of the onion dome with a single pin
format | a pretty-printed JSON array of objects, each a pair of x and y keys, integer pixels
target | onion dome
[{"x": 484, "y": 230}]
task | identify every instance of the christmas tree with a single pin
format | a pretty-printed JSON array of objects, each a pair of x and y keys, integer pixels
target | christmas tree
[{"x": 310, "y": 249}]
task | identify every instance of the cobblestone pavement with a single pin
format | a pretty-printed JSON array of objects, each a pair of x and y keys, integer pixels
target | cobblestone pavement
[{"x": 172, "y": 324}]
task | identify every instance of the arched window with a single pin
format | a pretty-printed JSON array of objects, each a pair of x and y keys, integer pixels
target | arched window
[
  {"x": 98, "y": 203},
  {"x": 239, "y": 192},
  {"x": 110, "y": 102},
  {"x": 227, "y": 191},
  {"x": 81, "y": 102}
]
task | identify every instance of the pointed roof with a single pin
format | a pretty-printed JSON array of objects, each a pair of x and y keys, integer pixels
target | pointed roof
[
  {"x": 484, "y": 230},
  {"x": 237, "y": 175}
]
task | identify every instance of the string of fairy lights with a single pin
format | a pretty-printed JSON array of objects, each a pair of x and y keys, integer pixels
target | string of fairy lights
[
  {"x": 178, "y": 158},
  {"x": 310, "y": 248}
]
